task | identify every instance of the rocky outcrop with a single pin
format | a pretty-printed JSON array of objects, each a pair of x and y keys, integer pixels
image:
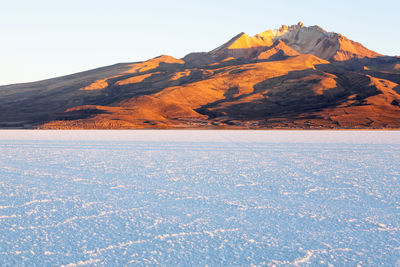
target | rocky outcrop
[
  {"x": 278, "y": 51},
  {"x": 326, "y": 45}
]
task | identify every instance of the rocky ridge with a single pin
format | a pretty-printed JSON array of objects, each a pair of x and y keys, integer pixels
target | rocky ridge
[{"x": 304, "y": 40}]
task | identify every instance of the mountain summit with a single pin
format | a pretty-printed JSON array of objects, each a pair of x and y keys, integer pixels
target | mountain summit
[
  {"x": 304, "y": 40},
  {"x": 291, "y": 77}
]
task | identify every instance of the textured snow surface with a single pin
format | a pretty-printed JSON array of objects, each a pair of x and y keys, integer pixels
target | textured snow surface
[{"x": 71, "y": 202}]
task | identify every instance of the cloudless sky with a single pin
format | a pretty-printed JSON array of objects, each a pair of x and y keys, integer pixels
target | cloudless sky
[{"x": 47, "y": 38}]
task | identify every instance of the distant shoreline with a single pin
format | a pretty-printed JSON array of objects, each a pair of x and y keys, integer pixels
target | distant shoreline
[{"x": 195, "y": 135}]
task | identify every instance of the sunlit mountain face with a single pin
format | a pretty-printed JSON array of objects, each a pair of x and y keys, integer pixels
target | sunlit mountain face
[{"x": 291, "y": 77}]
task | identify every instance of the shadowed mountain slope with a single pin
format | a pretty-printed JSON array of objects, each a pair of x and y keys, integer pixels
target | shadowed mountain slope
[{"x": 293, "y": 77}]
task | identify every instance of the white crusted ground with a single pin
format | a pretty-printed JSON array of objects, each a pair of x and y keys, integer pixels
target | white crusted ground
[{"x": 226, "y": 200}]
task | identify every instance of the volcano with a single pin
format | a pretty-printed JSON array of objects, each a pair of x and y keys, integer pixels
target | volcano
[{"x": 293, "y": 77}]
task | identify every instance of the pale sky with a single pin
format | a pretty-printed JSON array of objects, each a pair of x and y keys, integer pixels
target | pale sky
[{"x": 48, "y": 38}]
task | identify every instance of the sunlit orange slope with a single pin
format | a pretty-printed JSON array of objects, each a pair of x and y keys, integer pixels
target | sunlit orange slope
[{"x": 292, "y": 77}]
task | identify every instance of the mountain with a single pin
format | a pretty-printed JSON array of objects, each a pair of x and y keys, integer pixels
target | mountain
[
  {"x": 291, "y": 77},
  {"x": 304, "y": 40}
]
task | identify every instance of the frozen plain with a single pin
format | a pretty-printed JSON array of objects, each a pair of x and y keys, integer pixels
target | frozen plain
[{"x": 216, "y": 198}]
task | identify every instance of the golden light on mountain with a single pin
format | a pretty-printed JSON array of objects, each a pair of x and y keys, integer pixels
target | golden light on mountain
[{"x": 291, "y": 77}]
